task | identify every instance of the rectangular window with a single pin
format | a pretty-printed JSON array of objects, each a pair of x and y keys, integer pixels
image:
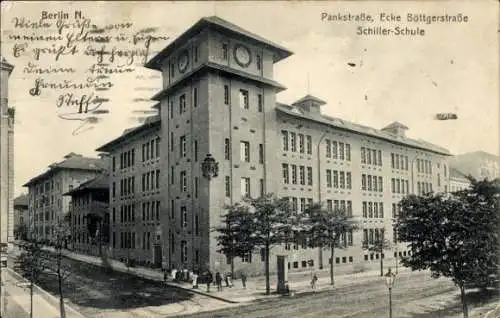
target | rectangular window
[
  {"x": 183, "y": 181},
  {"x": 261, "y": 187},
  {"x": 224, "y": 51},
  {"x": 348, "y": 152},
  {"x": 171, "y": 109},
  {"x": 381, "y": 210},
  {"x": 302, "y": 175},
  {"x": 172, "y": 209},
  {"x": 171, "y": 142},
  {"x": 369, "y": 183},
  {"x": 195, "y": 54},
  {"x": 260, "y": 103},
  {"x": 374, "y": 155},
  {"x": 227, "y": 149},
  {"x": 309, "y": 176},
  {"x": 183, "y": 144},
  {"x": 328, "y": 148},
  {"x": 328, "y": 178},
  {"x": 335, "y": 179},
  {"x": 157, "y": 179},
  {"x": 182, "y": 103},
  {"x": 379, "y": 157},
  {"x": 293, "y": 142},
  {"x": 334, "y": 150},
  {"x": 245, "y": 151},
  {"x": 341, "y": 151},
  {"x": 301, "y": 143},
  {"x": 196, "y": 225},
  {"x": 227, "y": 186},
  {"x": 261, "y": 153},
  {"x": 226, "y": 95},
  {"x": 114, "y": 164},
  {"x": 286, "y": 177},
  {"x": 244, "y": 99},
  {"x": 245, "y": 187},
  {"x": 342, "y": 179},
  {"x": 284, "y": 133},
  {"x": 184, "y": 251},
  {"x": 363, "y": 182},
  {"x": 363, "y": 155},
  {"x": 172, "y": 176},
  {"x": 368, "y": 156},
  {"x": 294, "y": 174},
  {"x": 195, "y": 97},
  {"x": 309, "y": 144},
  {"x": 380, "y": 184},
  {"x": 196, "y": 185},
  {"x": 184, "y": 222},
  {"x": 196, "y": 150},
  {"x": 258, "y": 61}
]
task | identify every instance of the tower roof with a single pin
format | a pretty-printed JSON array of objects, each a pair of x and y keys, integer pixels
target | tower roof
[
  {"x": 221, "y": 25},
  {"x": 395, "y": 124}
]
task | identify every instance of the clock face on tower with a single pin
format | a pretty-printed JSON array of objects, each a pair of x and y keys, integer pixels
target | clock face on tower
[
  {"x": 183, "y": 61},
  {"x": 242, "y": 55}
]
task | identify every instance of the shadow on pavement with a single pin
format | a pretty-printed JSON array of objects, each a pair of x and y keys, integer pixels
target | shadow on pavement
[
  {"x": 475, "y": 298},
  {"x": 99, "y": 287}
]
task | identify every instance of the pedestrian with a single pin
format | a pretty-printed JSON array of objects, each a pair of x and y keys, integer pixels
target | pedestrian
[
  {"x": 165, "y": 277},
  {"x": 230, "y": 279},
  {"x": 195, "y": 280},
  {"x": 244, "y": 280},
  {"x": 218, "y": 281},
  {"x": 313, "y": 281},
  {"x": 226, "y": 279},
  {"x": 209, "y": 277},
  {"x": 174, "y": 274}
]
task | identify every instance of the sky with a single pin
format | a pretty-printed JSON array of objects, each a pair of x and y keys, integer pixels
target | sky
[{"x": 453, "y": 68}]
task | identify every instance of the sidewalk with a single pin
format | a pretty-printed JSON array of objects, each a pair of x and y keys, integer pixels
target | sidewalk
[
  {"x": 299, "y": 282},
  {"x": 15, "y": 287}
]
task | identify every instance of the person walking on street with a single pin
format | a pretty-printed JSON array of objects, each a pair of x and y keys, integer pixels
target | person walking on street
[
  {"x": 218, "y": 281},
  {"x": 244, "y": 280},
  {"x": 313, "y": 281},
  {"x": 194, "y": 276},
  {"x": 209, "y": 278},
  {"x": 226, "y": 279},
  {"x": 229, "y": 278},
  {"x": 165, "y": 277}
]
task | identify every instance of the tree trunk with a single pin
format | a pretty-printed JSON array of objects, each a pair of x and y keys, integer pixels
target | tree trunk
[
  {"x": 381, "y": 266},
  {"x": 232, "y": 267},
  {"x": 268, "y": 284},
  {"x": 332, "y": 254},
  {"x": 465, "y": 310}
]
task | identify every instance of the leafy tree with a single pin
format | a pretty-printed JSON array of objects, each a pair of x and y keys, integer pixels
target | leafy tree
[
  {"x": 234, "y": 235},
  {"x": 32, "y": 262},
  {"x": 454, "y": 235},
  {"x": 272, "y": 220},
  {"x": 326, "y": 228},
  {"x": 379, "y": 245}
]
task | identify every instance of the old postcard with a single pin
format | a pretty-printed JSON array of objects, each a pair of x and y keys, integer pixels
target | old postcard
[{"x": 249, "y": 159}]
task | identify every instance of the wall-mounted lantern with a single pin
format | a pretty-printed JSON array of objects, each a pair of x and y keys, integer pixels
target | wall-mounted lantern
[{"x": 210, "y": 167}]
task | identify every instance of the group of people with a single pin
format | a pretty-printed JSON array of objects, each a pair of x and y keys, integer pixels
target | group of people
[{"x": 207, "y": 278}]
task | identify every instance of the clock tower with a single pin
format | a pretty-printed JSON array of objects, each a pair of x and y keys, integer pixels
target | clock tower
[{"x": 218, "y": 100}]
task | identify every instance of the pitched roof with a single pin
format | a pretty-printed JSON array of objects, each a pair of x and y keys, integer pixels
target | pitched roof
[
  {"x": 101, "y": 182},
  {"x": 152, "y": 121},
  {"x": 21, "y": 200},
  {"x": 456, "y": 174},
  {"x": 72, "y": 161},
  {"x": 395, "y": 124},
  {"x": 223, "y": 26},
  {"x": 309, "y": 97},
  {"x": 361, "y": 129}
]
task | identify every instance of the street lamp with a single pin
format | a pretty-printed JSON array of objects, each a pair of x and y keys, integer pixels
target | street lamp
[{"x": 390, "y": 277}]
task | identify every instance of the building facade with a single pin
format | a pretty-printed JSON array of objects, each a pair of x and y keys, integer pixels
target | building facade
[
  {"x": 21, "y": 217},
  {"x": 47, "y": 206},
  {"x": 458, "y": 180},
  {"x": 135, "y": 194},
  {"x": 219, "y": 100},
  {"x": 89, "y": 215},
  {"x": 6, "y": 156}
]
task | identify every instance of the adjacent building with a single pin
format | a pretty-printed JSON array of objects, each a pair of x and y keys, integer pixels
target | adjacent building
[
  {"x": 458, "y": 180},
  {"x": 136, "y": 193},
  {"x": 21, "y": 217},
  {"x": 47, "y": 205},
  {"x": 89, "y": 215},
  {"x": 6, "y": 156},
  {"x": 218, "y": 103}
]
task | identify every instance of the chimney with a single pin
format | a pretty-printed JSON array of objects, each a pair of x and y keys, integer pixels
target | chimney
[
  {"x": 396, "y": 128},
  {"x": 310, "y": 104}
]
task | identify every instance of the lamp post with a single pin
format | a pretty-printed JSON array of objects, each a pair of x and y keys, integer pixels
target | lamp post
[{"x": 390, "y": 277}]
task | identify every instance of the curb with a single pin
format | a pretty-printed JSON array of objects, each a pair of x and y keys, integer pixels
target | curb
[{"x": 51, "y": 299}]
